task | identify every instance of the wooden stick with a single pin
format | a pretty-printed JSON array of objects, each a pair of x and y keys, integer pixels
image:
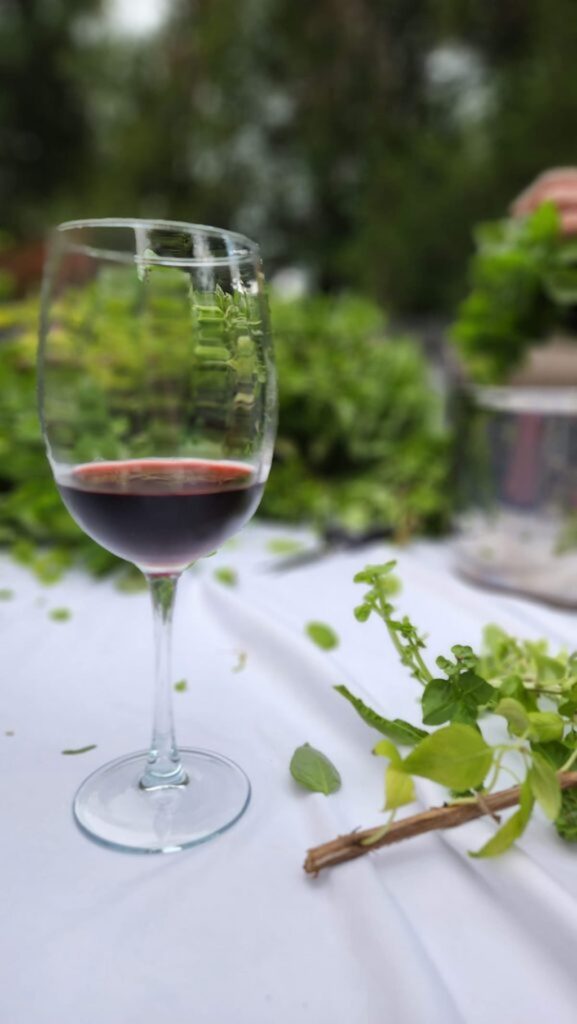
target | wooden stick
[{"x": 357, "y": 844}]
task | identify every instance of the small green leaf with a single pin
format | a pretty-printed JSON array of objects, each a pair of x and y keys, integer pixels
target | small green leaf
[
  {"x": 555, "y": 753},
  {"x": 516, "y": 715},
  {"x": 545, "y": 726},
  {"x": 438, "y": 701},
  {"x": 322, "y": 635},
  {"x": 372, "y": 573},
  {"x": 399, "y": 788},
  {"x": 181, "y": 686},
  {"x": 456, "y": 756},
  {"x": 60, "y": 614},
  {"x": 313, "y": 770},
  {"x": 285, "y": 546},
  {"x": 6, "y": 594},
  {"x": 566, "y": 823},
  {"x": 226, "y": 576},
  {"x": 384, "y": 748},
  {"x": 512, "y": 829},
  {"x": 80, "y": 750},
  {"x": 362, "y": 612},
  {"x": 474, "y": 686},
  {"x": 395, "y": 728},
  {"x": 512, "y": 686},
  {"x": 545, "y": 786}
]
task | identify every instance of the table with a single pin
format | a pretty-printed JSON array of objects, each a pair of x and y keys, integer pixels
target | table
[{"x": 234, "y": 932}]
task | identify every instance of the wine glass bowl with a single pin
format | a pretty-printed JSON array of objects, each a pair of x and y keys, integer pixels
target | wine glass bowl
[{"x": 158, "y": 405}]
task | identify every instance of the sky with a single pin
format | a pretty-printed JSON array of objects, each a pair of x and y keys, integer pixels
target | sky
[{"x": 136, "y": 17}]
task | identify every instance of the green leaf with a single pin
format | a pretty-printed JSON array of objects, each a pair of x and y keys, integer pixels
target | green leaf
[
  {"x": 322, "y": 635},
  {"x": 566, "y": 823},
  {"x": 229, "y": 577},
  {"x": 545, "y": 726},
  {"x": 545, "y": 786},
  {"x": 516, "y": 715},
  {"x": 313, "y": 770},
  {"x": 513, "y": 827},
  {"x": 438, "y": 701},
  {"x": 6, "y": 594},
  {"x": 372, "y": 573},
  {"x": 456, "y": 756},
  {"x": 475, "y": 687},
  {"x": 285, "y": 546},
  {"x": 80, "y": 750},
  {"x": 60, "y": 614},
  {"x": 395, "y": 728},
  {"x": 555, "y": 753},
  {"x": 181, "y": 686},
  {"x": 399, "y": 788},
  {"x": 362, "y": 612}
]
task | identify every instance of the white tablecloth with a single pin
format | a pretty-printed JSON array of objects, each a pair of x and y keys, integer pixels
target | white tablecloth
[{"x": 234, "y": 932}]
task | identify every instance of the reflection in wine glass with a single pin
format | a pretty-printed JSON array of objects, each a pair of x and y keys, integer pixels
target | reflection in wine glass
[{"x": 158, "y": 407}]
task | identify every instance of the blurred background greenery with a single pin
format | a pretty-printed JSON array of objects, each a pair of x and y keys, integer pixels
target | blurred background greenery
[{"x": 359, "y": 141}]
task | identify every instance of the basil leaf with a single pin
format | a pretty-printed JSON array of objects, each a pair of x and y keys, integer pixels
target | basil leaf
[
  {"x": 516, "y": 715},
  {"x": 60, "y": 614},
  {"x": 285, "y": 546},
  {"x": 438, "y": 701},
  {"x": 545, "y": 786},
  {"x": 399, "y": 788},
  {"x": 395, "y": 728},
  {"x": 227, "y": 576},
  {"x": 80, "y": 750},
  {"x": 475, "y": 687},
  {"x": 313, "y": 770},
  {"x": 512, "y": 829},
  {"x": 545, "y": 726},
  {"x": 456, "y": 756},
  {"x": 322, "y": 635},
  {"x": 384, "y": 748},
  {"x": 566, "y": 823}
]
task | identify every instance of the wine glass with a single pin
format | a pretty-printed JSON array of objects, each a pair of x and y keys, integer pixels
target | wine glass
[{"x": 158, "y": 405}]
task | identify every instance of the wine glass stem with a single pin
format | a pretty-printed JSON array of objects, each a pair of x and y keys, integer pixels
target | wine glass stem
[{"x": 163, "y": 767}]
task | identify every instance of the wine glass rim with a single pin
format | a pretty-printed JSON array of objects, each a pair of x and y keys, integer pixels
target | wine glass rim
[{"x": 245, "y": 248}]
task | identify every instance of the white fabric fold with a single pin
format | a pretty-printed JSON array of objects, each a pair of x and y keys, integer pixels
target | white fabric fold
[{"x": 234, "y": 931}]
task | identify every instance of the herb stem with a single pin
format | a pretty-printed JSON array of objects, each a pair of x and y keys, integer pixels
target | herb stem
[{"x": 358, "y": 844}]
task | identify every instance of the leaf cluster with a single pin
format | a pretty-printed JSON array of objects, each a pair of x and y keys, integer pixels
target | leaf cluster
[
  {"x": 361, "y": 436},
  {"x": 523, "y": 286},
  {"x": 519, "y": 682}
]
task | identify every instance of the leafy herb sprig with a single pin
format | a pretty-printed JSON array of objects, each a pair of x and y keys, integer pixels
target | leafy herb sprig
[{"x": 517, "y": 681}]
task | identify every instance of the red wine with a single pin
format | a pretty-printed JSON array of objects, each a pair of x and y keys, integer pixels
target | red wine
[{"x": 160, "y": 514}]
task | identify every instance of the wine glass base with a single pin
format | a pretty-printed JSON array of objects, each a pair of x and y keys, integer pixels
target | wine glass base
[{"x": 112, "y": 807}]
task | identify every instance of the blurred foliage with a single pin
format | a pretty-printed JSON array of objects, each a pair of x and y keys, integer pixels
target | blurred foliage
[
  {"x": 523, "y": 287},
  {"x": 154, "y": 363},
  {"x": 361, "y": 438},
  {"x": 357, "y": 138}
]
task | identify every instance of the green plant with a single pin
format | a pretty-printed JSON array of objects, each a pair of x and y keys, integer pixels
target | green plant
[
  {"x": 361, "y": 436},
  {"x": 518, "y": 683},
  {"x": 523, "y": 286}
]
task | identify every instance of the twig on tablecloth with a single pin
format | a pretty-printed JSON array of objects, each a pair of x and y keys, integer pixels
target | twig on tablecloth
[{"x": 358, "y": 843}]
